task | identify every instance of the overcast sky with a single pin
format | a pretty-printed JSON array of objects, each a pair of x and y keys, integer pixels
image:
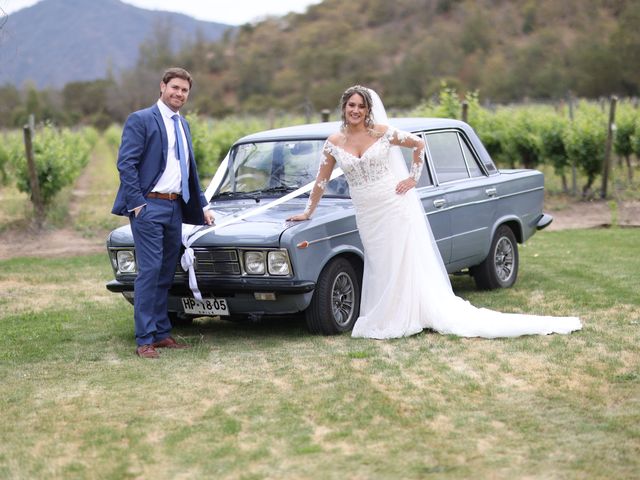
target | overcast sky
[{"x": 233, "y": 12}]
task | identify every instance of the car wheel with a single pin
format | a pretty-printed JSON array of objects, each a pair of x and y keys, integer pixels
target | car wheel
[
  {"x": 500, "y": 268},
  {"x": 336, "y": 300}
]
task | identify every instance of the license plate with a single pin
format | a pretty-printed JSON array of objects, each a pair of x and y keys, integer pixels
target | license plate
[{"x": 208, "y": 306}]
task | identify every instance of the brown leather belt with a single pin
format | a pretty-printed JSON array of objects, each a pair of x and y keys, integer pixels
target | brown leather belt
[{"x": 164, "y": 196}]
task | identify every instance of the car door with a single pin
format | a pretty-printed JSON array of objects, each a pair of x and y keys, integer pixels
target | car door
[
  {"x": 468, "y": 195},
  {"x": 434, "y": 204}
]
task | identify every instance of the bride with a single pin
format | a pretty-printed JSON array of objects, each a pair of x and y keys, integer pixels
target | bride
[{"x": 405, "y": 285}]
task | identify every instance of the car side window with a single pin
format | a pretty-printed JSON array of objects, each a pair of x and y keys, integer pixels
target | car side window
[
  {"x": 474, "y": 169},
  {"x": 447, "y": 157},
  {"x": 451, "y": 156}
]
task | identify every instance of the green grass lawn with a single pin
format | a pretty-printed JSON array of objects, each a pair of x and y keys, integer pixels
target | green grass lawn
[{"x": 268, "y": 400}]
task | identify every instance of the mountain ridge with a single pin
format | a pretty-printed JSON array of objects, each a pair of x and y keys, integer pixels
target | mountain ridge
[{"x": 59, "y": 41}]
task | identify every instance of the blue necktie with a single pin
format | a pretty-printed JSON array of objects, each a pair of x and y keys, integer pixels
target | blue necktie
[{"x": 182, "y": 159}]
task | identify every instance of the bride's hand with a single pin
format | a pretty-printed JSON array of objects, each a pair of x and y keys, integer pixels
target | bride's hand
[
  {"x": 405, "y": 185},
  {"x": 298, "y": 218}
]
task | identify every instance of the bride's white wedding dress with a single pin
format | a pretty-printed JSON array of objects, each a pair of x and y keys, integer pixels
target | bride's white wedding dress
[{"x": 405, "y": 286}]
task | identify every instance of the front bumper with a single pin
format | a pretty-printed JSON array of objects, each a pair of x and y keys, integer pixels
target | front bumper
[
  {"x": 289, "y": 296},
  {"x": 229, "y": 286}
]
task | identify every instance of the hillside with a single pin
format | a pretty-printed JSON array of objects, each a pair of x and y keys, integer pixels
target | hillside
[
  {"x": 507, "y": 49},
  {"x": 58, "y": 41}
]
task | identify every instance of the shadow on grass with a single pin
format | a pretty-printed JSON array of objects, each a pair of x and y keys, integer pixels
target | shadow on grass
[{"x": 280, "y": 327}]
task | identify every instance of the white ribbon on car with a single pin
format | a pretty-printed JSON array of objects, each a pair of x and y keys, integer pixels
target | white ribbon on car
[{"x": 191, "y": 233}]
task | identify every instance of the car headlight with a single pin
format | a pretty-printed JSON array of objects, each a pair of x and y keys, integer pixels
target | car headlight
[
  {"x": 126, "y": 261},
  {"x": 254, "y": 263},
  {"x": 278, "y": 262}
]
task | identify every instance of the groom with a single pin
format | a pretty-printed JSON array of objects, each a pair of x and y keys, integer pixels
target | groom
[{"x": 159, "y": 190}]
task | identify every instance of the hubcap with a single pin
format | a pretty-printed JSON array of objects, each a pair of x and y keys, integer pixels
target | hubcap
[
  {"x": 342, "y": 299},
  {"x": 504, "y": 259}
]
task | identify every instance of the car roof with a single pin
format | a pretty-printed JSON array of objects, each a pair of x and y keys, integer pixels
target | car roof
[{"x": 323, "y": 130}]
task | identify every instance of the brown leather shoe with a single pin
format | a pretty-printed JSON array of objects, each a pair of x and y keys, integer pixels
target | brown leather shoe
[
  {"x": 147, "y": 351},
  {"x": 169, "y": 342}
]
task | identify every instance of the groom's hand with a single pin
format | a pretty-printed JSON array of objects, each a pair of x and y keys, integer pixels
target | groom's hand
[
  {"x": 208, "y": 217},
  {"x": 405, "y": 185}
]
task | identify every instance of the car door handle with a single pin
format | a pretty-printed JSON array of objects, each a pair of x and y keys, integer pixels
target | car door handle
[
  {"x": 439, "y": 203},
  {"x": 492, "y": 192}
]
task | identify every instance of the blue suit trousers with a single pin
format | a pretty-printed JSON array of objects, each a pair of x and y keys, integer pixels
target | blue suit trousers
[{"x": 157, "y": 235}]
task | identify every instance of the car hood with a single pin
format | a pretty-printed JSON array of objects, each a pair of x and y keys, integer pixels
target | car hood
[{"x": 261, "y": 229}]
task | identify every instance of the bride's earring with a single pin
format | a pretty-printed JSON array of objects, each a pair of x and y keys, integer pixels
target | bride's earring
[{"x": 368, "y": 122}]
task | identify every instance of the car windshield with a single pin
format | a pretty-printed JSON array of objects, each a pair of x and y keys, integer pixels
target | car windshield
[{"x": 276, "y": 168}]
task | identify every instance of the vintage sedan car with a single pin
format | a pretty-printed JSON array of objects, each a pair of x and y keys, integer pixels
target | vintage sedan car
[{"x": 255, "y": 263}]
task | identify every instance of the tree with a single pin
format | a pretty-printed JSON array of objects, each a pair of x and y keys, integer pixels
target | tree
[
  {"x": 625, "y": 42},
  {"x": 156, "y": 52},
  {"x": 10, "y": 104},
  {"x": 87, "y": 102}
]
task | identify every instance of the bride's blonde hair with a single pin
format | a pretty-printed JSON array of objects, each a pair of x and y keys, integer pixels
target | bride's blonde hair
[{"x": 368, "y": 103}]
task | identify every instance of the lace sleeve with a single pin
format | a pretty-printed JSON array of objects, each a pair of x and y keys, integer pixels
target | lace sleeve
[
  {"x": 322, "y": 178},
  {"x": 409, "y": 140}
]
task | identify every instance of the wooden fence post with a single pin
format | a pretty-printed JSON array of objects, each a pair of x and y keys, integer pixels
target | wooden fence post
[
  {"x": 574, "y": 170},
  {"x": 36, "y": 195},
  {"x": 607, "y": 151},
  {"x": 271, "y": 115},
  {"x": 324, "y": 115},
  {"x": 307, "y": 107},
  {"x": 465, "y": 111}
]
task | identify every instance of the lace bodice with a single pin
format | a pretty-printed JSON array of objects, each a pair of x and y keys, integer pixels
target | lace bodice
[{"x": 370, "y": 167}]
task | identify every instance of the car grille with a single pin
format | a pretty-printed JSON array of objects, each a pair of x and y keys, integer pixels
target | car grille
[{"x": 217, "y": 262}]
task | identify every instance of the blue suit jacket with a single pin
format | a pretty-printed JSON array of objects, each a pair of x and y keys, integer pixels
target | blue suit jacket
[{"x": 142, "y": 159}]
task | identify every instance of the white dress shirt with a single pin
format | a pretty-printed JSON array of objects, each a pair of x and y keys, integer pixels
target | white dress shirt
[{"x": 169, "y": 181}]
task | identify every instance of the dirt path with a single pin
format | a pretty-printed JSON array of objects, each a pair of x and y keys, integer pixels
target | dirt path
[
  {"x": 65, "y": 242},
  {"x": 578, "y": 214}
]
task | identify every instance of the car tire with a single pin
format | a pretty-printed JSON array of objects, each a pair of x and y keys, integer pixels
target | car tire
[
  {"x": 500, "y": 268},
  {"x": 335, "y": 304}
]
